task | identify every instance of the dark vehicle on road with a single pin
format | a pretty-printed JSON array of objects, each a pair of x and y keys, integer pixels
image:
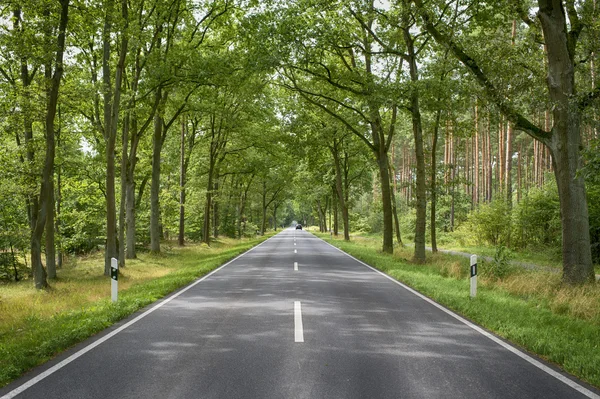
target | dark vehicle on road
[{"x": 298, "y": 227}]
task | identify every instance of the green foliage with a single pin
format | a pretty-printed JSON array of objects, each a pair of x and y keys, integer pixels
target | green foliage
[
  {"x": 537, "y": 219},
  {"x": 591, "y": 172},
  {"x": 491, "y": 223}
]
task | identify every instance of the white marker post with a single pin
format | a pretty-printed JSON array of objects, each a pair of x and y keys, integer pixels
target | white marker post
[
  {"x": 114, "y": 279},
  {"x": 473, "y": 276}
]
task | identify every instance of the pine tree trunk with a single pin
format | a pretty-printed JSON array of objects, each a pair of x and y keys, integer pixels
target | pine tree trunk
[
  {"x": 477, "y": 173},
  {"x": 508, "y": 168},
  {"x": 433, "y": 222}
]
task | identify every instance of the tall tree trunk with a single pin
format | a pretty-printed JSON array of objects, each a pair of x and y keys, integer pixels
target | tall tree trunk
[
  {"x": 49, "y": 237},
  {"x": 50, "y": 244},
  {"x": 130, "y": 213},
  {"x": 384, "y": 180},
  {"x": 508, "y": 168},
  {"x": 433, "y": 223},
  {"x": 125, "y": 131},
  {"x": 60, "y": 254},
  {"x": 122, "y": 204},
  {"x": 215, "y": 207},
  {"x": 39, "y": 272},
  {"x": 263, "y": 223},
  {"x": 335, "y": 211},
  {"x": 477, "y": 173},
  {"x": 421, "y": 189},
  {"x": 339, "y": 189},
  {"x": 207, "y": 210},
  {"x": 157, "y": 140},
  {"x": 394, "y": 206},
  {"x": 182, "y": 171},
  {"x": 565, "y": 143}
]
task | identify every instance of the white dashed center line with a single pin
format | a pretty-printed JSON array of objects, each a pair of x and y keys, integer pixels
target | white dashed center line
[{"x": 298, "y": 329}]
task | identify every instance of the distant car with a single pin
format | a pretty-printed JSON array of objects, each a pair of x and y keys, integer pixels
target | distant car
[{"x": 298, "y": 227}]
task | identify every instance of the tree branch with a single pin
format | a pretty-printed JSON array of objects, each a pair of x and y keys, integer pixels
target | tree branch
[{"x": 521, "y": 123}]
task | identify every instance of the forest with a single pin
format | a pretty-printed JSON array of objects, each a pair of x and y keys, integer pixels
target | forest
[{"x": 125, "y": 125}]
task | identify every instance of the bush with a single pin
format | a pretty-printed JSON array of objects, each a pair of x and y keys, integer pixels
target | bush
[
  {"x": 491, "y": 223},
  {"x": 537, "y": 219},
  {"x": 251, "y": 230}
]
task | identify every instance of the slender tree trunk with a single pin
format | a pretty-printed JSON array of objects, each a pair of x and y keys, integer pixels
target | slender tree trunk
[
  {"x": 130, "y": 208},
  {"x": 50, "y": 246},
  {"x": 508, "y": 168},
  {"x": 339, "y": 190},
  {"x": 122, "y": 204},
  {"x": 477, "y": 173},
  {"x": 60, "y": 254},
  {"x": 263, "y": 224},
  {"x": 335, "y": 211},
  {"x": 520, "y": 173},
  {"x": 125, "y": 130},
  {"x": 433, "y": 223},
  {"x": 182, "y": 172},
  {"x": 394, "y": 206},
  {"x": 208, "y": 204},
  {"x": 215, "y": 207},
  {"x": 155, "y": 185},
  {"x": 39, "y": 272}
]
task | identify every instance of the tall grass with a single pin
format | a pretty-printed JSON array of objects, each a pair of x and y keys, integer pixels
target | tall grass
[{"x": 36, "y": 325}]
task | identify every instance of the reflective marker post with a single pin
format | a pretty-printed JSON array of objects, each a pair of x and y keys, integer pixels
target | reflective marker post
[
  {"x": 473, "y": 275},
  {"x": 114, "y": 279}
]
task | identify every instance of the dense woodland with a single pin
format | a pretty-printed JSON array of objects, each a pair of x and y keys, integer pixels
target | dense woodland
[{"x": 127, "y": 124}]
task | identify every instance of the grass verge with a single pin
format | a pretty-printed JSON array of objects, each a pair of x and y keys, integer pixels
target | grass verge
[
  {"x": 529, "y": 308},
  {"x": 37, "y": 325}
]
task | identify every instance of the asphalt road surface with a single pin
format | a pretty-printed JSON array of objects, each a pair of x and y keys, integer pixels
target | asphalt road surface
[{"x": 295, "y": 318}]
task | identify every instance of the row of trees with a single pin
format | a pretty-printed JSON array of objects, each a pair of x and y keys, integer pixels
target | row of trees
[
  {"x": 502, "y": 81},
  {"x": 124, "y": 122},
  {"x": 163, "y": 107}
]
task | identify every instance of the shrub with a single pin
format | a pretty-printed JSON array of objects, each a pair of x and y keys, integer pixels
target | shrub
[
  {"x": 491, "y": 223},
  {"x": 537, "y": 218}
]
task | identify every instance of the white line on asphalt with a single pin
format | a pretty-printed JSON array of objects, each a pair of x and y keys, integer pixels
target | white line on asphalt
[
  {"x": 581, "y": 389},
  {"x": 100, "y": 341},
  {"x": 294, "y": 244},
  {"x": 296, "y": 266},
  {"x": 295, "y": 251},
  {"x": 298, "y": 329}
]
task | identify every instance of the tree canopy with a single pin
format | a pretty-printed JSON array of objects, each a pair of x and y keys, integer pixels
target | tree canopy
[{"x": 127, "y": 124}]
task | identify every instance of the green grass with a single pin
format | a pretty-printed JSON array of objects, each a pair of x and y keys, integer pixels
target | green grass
[
  {"x": 37, "y": 325},
  {"x": 531, "y": 309}
]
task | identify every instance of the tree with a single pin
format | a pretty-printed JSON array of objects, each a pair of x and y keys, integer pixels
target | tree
[{"x": 564, "y": 139}]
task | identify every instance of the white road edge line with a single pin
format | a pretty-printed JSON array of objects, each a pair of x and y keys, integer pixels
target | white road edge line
[
  {"x": 298, "y": 329},
  {"x": 100, "y": 341},
  {"x": 296, "y": 266},
  {"x": 522, "y": 355}
]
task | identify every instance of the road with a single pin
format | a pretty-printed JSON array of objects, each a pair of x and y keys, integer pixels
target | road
[{"x": 295, "y": 318}]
